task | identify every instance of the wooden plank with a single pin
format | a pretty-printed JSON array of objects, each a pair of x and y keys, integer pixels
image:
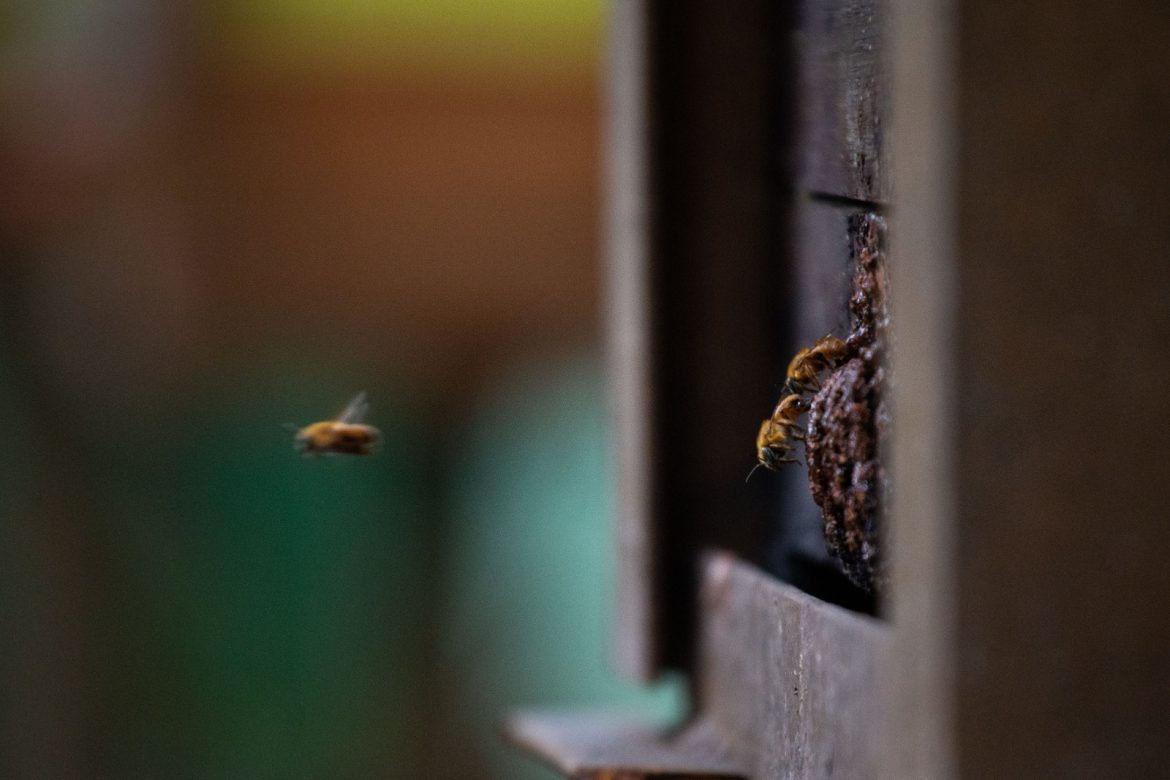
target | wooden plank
[
  {"x": 823, "y": 269},
  {"x": 792, "y": 681},
  {"x": 629, "y": 343},
  {"x": 609, "y": 747},
  {"x": 920, "y": 730},
  {"x": 1032, "y": 591},
  {"x": 842, "y": 100},
  {"x": 789, "y": 685}
]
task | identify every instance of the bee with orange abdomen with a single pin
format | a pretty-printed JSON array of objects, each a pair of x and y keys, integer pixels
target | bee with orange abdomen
[
  {"x": 774, "y": 442},
  {"x": 343, "y": 435},
  {"x": 825, "y": 355}
]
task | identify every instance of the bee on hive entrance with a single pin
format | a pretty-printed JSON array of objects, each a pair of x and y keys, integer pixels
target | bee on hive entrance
[
  {"x": 774, "y": 441},
  {"x": 343, "y": 435},
  {"x": 828, "y": 353}
]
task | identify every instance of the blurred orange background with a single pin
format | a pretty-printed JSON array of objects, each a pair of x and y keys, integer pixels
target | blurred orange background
[
  {"x": 221, "y": 216},
  {"x": 423, "y": 173}
]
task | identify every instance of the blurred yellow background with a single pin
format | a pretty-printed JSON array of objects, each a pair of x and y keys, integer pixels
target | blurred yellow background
[{"x": 218, "y": 217}]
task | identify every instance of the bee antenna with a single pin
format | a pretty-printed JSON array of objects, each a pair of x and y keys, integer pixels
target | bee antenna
[
  {"x": 290, "y": 427},
  {"x": 753, "y": 471}
]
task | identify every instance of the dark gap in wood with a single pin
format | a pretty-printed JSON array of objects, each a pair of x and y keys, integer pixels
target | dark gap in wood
[
  {"x": 819, "y": 266},
  {"x": 715, "y": 235},
  {"x": 845, "y": 200}
]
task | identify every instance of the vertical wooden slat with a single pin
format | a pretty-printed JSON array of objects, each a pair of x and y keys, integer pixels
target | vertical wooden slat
[
  {"x": 920, "y": 733},
  {"x": 1032, "y": 594},
  {"x": 628, "y": 322}
]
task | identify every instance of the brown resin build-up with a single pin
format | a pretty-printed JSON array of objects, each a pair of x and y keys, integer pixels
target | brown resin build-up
[{"x": 849, "y": 422}]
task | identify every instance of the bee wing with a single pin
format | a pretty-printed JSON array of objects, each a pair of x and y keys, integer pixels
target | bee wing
[{"x": 355, "y": 411}]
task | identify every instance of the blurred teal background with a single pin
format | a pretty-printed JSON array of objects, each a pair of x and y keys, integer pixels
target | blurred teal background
[{"x": 222, "y": 216}]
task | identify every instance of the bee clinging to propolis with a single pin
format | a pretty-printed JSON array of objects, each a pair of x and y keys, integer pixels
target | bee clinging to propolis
[
  {"x": 775, "y": 442},
  {"x": 828, "y": 353}
]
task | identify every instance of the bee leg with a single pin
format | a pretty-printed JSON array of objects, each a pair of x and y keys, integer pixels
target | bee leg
[{"x": 788, "y": 429}]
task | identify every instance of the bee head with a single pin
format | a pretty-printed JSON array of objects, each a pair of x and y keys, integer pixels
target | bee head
[
  {"x": 769, "y": 459},
  {"x": 300, "y": 438}
]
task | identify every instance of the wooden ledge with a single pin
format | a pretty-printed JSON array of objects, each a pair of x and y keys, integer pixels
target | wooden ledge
[
  {"x": 789, "y": 686},
  {"x": 610, "y": 747}
]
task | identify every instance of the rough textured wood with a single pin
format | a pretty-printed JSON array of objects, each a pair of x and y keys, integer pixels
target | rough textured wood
[
  {"x": 792, "y": 681},
  {"x": 789, "y": 685},
  {"x": 614, "y": 748},
  {"x": 1042, "y": 346},
  {"x": 842, "y": 99}
]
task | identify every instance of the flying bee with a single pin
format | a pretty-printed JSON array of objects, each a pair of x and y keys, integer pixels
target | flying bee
[
  {"x": 825, "y": 355},
  {"x": 774, "y": 442},
  {"x": 343, "y": 435}
]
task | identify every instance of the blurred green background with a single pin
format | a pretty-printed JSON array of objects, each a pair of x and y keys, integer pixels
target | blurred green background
[{"x": 218, "y": 217}]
